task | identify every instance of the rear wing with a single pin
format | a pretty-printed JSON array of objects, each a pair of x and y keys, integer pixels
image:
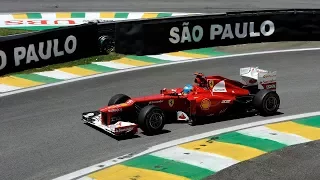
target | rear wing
[{"x": 252, "y": 76}]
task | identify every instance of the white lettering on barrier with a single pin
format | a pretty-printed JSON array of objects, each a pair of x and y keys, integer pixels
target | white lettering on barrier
[
  {"x": 19, "y": 54},
  {"x": 226, "y": 31},
  {"x": 41, "y": 50},
  {"x": 195, "y": 33},
  {"x": 56, "y": 51},
  {"x": 73, "y": 41},
  {"x": 3, "y": 59},
  {"x": 30, "y": 54}
]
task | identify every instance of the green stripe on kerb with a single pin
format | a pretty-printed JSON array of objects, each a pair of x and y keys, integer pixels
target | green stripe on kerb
[
  {"x": 206, "y": 51},
  {"x": 309, "y": 121},
  {"x": 254, "y": 142},
  {"x": 78, "y": 15},
  {"x": 37, "y": 78},
  {"x": 147, "y": 59},
  {"x": 34, "y": 15},
  {"x": 121, "y": 15},
  {"x": 164, "y": 15},
  {"x": 168, "y": 166},
  {"x": 97, "y": 68}
]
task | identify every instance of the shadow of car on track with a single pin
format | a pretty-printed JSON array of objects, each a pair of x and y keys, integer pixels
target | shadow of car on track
[
  {"x": 215, "y": 119},
  {"x": 164, "y": 131},
  {"x": 201, "y": 121},
  {"x": 221, "y": 118}
]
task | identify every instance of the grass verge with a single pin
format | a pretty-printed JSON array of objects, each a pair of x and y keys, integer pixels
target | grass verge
[
  {"x": 8, "y": 31},
  {"x": 109, "y": 57}
]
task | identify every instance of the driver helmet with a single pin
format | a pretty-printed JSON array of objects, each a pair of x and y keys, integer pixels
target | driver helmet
[{"x": 187, "y": 89}]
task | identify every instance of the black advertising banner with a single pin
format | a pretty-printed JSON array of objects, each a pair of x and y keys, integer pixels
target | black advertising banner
[
  {"x": 32, "y": 50},
  {"x": 174, "y": 34},
  {"x": 129, "y": 37}
]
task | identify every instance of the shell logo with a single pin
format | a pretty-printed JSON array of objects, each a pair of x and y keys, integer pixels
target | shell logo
[{"x": 205, "y": 104}]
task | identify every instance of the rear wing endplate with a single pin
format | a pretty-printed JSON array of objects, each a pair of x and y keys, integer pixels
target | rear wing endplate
[{"x": 252, "y": 76}]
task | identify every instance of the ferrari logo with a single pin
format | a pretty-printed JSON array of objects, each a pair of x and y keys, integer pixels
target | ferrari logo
[
  {"x": 211, "y": 84},
  {"x": 171, "y": 102}
]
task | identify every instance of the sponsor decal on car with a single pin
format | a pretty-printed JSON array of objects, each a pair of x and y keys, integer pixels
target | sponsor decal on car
[
  {"x": 115, "y": 110},
  {"x": 269, "y": 75},
  {"x": 130, "y": 101},
  {"x": 205, "y": 104},
  {"x": 225, "y": 101},
  {"x": 271, "y": 86},
  {"x": 124, "y": 129},
  {"x": 155, "y": 102},
  {"x": 223, "y": 110},
  {"x": 220, "y": 87}
]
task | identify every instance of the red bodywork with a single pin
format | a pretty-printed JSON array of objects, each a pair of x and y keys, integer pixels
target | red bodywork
[{"x": 203, "y": 101}]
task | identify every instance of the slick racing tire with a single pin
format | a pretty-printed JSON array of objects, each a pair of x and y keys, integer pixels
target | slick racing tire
[
  {"x": 267, "y": 102},
  {"x": 118, "y": 99},
  {"x": 151, "y": 120}
]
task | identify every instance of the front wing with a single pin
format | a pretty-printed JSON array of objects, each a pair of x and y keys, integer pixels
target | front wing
[{"x": 117, "y": 129}]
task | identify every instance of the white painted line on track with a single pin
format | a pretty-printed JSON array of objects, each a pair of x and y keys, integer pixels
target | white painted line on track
[
  {"x": 152, "y": 149},
  {"x": 210, "y": 161},
  {"x": 5, "y": 88},
  {"x": 281, "y": 137},
  {"x": 151, "y": 66},
  {"x": 57, "y": 74}
]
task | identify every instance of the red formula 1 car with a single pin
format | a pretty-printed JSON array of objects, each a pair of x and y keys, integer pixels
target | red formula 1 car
[{"x": 209, "y": 96}]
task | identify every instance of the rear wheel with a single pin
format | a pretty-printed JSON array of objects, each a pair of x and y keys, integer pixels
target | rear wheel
[
  {"x": 151, "y": 119},
  {"x": 267, "y": 102}
]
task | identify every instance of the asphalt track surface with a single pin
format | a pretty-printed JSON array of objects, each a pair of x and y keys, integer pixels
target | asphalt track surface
[
  {"x": 42, "y": 137},
  {"x": 202, "y": 6},
  {"x": 291, "y": 163}
]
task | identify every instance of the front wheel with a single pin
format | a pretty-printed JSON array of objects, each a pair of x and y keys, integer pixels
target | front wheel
[
  {"x": 118, "y": 99},
  {"x": 267, "y": 102},
  {"x": 151, "y": 119}
]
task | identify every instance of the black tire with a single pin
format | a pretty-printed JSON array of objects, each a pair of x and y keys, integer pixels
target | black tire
[
  {"x": 146, "y": 122},
  {"x": 118, "y": 99},
  {"x": 192, "y": 121},
  {"x": 267, "y": 102}
]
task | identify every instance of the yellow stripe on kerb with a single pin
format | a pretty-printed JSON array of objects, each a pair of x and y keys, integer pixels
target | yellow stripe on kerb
[
  {"x": 63, "y": 15},
  {"x": 78, "y": 71},
  {"x": 132, "y": 62},
  {"x": 149, "y": 15},
  {"x": 234, "y": 151},
  {"x": 298, "y": 129},
  {"x": 107, "y": 14},
  {"x": 18, "y": 82},
  {"x": 121, "y": 172},
  {"x": 187, "y": 55},
  {"x": 20, "y": 16}
]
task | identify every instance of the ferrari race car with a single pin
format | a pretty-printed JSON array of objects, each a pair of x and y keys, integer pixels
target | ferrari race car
[{"x": 208, "y": 96}]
